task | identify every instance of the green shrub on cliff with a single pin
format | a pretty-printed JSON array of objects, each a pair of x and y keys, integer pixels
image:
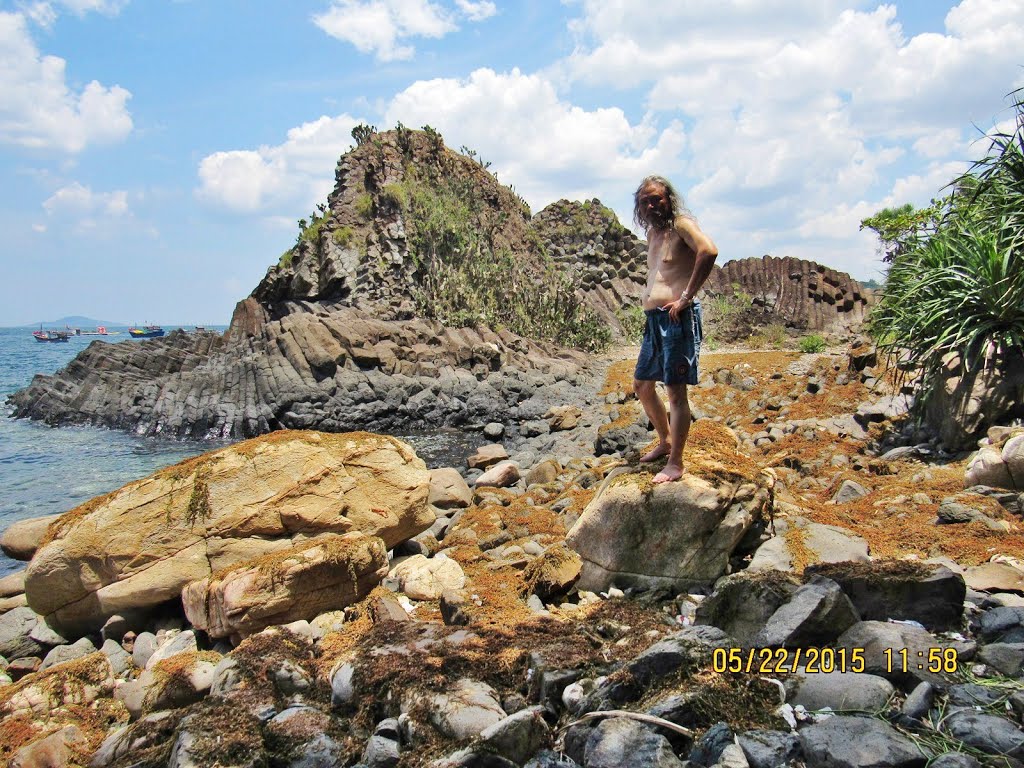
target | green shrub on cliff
[
  {"x": 465, "y": 278},
  {"x": 633, "y": 321},
  {"x": 958, "y": 285},
  {"x": 342, "y": 236},
  {"x": 364, "y": 205}
]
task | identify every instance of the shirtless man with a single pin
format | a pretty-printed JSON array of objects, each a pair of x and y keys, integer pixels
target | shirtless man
[{"x": 679, "y": 260}]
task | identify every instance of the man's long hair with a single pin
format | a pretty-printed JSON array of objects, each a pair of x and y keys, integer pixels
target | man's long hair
[{"x": 674, "y": 199}]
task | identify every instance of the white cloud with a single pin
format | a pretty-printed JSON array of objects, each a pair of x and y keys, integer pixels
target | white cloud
[
  {"x": 76, "y": 199},
  {"x": 42, "y": 14},
  {"x": 476, "y": 11},
  {"x": 39, "y": 110},
  {"x": 546, "y": 147},
  {"x": 379, "y": 26},
  {"x": 77, "y": 208},
  {"x": 941, "y": 143},
  {"x": 800, "y": 114},
  {"x": 297, "y": 173},
  {"x": 45, "y": 14},
  {"x": 82, "y": 7}
]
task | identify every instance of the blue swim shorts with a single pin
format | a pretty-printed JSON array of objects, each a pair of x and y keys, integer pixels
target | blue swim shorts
[{"x": 670, "y": 352}]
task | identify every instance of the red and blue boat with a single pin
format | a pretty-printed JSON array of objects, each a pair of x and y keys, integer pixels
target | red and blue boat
[{"x": 50, "y": 336}]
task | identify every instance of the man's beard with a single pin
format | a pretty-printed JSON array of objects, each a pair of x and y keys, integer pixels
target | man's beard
[{"x": 658, "y": 220}]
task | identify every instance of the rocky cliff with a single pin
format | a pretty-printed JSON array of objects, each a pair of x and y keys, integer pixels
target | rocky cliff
[
  {"x": 383, "y": 313},
  {"x": 798, "y": 294}
]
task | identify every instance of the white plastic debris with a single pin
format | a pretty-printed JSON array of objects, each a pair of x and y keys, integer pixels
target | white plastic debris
[
  {"x": 785, "y": 711},
  {"x": 782, "y": 688}
]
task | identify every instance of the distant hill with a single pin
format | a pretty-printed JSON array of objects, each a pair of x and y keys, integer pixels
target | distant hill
[{"x": 77, "y": 321}]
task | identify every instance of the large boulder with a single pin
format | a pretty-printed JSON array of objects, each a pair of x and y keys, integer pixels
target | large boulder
[
  {"x": 907, "y": 590},
  {"x": 20, "y": 540},
  {"x": 141, "y": 545},
  {"x": 1000, "y": 465},
  {"x": 799, "y": 542},
  {"x": 966, "y": 403},
  {"x": 676, "y": 535},
  {"x": 323, "y": 574}
]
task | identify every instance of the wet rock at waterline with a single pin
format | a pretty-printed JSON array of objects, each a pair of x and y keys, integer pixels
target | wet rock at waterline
[{"x": 140, "y": 546}]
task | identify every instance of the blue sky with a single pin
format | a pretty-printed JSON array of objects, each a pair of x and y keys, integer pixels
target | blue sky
[{"x": 156, "y": 156}]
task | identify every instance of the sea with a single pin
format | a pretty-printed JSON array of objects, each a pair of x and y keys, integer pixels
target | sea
[{"x": 49, "y": 470}]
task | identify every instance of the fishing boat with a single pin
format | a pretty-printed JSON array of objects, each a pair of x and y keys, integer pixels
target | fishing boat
[
  {"x": 50, "y": 336},
  {"x": 100, "y": 331},
  {"x": 146, "y": 332}
]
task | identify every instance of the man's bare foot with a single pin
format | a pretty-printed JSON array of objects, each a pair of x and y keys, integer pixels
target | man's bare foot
[
  {"x": 670, "y": 473},
  {"x": 661, "y": 449}
]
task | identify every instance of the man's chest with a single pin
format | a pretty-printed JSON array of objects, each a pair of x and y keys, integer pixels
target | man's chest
[{"x": 668, "y": 252}]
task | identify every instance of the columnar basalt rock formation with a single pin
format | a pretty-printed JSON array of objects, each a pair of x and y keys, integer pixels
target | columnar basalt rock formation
[
  {"x": 609, "y": 261},
  {"x": 308, "y": 369},
  {"x": 799, "y": 294}
]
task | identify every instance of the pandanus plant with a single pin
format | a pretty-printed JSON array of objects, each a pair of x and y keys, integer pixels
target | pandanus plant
[{"x": 961, "y": 289}]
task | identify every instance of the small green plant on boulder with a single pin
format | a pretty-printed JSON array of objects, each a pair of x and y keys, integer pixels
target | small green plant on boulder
[
  {"x": 395, "y": 194},
  {"x": 364, "y": 205}
]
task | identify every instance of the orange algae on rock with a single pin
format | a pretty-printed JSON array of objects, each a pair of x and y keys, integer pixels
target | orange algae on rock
[{"x": 73, "y": 693}]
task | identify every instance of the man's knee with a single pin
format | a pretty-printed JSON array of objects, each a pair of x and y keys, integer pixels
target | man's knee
[
  {"x": 642, "y": 387},
  {"x": 677, "y": 395}
]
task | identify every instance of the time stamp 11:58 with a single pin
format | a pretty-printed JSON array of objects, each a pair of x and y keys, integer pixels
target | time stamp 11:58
[{"x": 824, "y": 660}]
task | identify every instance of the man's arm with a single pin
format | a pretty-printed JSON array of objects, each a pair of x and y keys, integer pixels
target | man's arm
[{"x": 705, "y": 253}]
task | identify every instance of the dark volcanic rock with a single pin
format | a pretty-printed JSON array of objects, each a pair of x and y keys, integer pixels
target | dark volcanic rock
[
  {"x": 331, "y": 371},
  {"x": 610, "y": 262}
]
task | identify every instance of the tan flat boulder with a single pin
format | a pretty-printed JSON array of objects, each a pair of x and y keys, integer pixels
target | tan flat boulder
[
  {"x": 323, "y": 574},
  {"x": 59, "y": 749},
  {"x": 141, "y": 545},
  {"x": 12, "y": 602},
  {"x": 20, "y": 540},
  {"x": 563, "y": 417},
  {"x": 502, "y": 475},
  {"x": 423, "y": 578},
  {"x": 448, "y": 489},
  {"x": 994, "y": 577},
  {"x": 12, "y": 584},
  {"x": 486, "y": 456},
  {"x": 676, "y": 535}
]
